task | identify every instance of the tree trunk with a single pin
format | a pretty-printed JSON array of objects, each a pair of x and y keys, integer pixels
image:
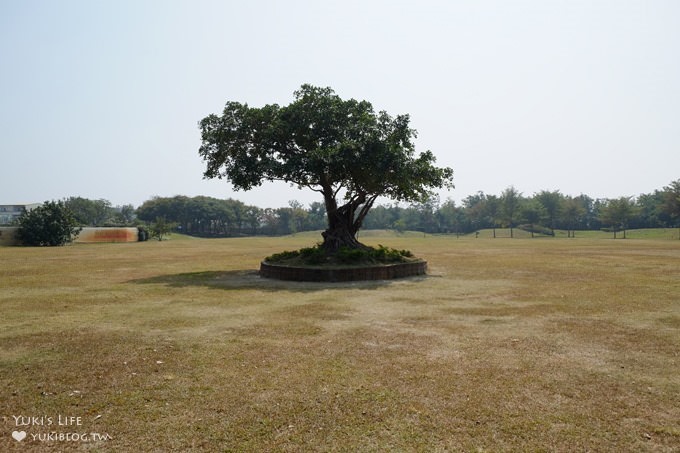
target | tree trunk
[
  {"x": 340, "y": 235},
  {"x": 344, "y": 223}
]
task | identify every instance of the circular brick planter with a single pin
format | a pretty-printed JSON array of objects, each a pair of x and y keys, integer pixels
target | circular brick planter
[{"x": 330, "y": 274}]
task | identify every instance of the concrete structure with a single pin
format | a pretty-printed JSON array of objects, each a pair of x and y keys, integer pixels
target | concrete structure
[
  {"x": 8, "y": 236},
  {"x": 87, "y": 235},
  {"x": 11, "y": 212},
  {"x": 114, "y": 234}
]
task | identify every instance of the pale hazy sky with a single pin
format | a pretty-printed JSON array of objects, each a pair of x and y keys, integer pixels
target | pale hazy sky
[{"x": 101, "y": 99}]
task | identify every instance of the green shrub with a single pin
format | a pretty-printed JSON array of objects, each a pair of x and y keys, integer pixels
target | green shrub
[
  {"x": 283, "y": 256},
  {"x": 351, "y": 256},
  {"x": 372, "y": 255},
  {"x": 538, "y": 229},
  {"x": 387, "y": 254},
  {"x": 313, "y": 255},
  {"x": 317, "y": 255},
  {"x": 51, "y": 224}
]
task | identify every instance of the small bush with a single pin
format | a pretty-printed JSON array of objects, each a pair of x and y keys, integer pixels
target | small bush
[
  {"x": 313, "y": 255},
  {"x": 372, "y": 255},
  {"x": 283, "y": 256},
  {"x": 537, "y": 229},
  {"x": 351, "y": 256}
]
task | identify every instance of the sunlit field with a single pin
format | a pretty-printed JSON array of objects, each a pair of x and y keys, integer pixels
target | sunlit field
[{"x": 546, "y": 344}]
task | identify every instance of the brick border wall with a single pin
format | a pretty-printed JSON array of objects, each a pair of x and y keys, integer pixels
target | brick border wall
[{"x": 306, "y": 274}]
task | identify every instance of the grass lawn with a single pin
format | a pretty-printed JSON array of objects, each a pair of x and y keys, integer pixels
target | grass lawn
[{"x": 549, "y": 344}]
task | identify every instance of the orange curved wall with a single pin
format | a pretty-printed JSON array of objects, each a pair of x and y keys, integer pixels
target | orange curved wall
[
  {"x": 87, "y": 235},
  {"x": 107, "y": 235}
]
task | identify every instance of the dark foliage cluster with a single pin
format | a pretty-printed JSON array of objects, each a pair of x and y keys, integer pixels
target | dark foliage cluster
[
  {"x": 51, "y": 224},
  {"x": 317, "y": 255},
  {"x": 381, "y": 254},
  {"x": 537, "y": 229}
]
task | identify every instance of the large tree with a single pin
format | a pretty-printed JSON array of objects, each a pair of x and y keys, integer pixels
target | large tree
[
  {"x": 552, "y": 203},
  {"x": 510, "y": 203},
  {"x": 572, "y": 211},
  {"x": 340, "y": 148},
  {"x": 533, "y": 212},
  {"x": 492, "y": 208},
  {"x": 617, "y": 213}
]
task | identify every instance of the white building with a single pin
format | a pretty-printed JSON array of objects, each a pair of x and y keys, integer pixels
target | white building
[{"x": 11, "y": 212}]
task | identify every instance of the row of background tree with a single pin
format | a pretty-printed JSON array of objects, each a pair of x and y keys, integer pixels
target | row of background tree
[{"x": 542, "y": 212}]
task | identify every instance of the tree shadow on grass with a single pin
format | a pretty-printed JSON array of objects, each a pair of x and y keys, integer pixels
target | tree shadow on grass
[{"x": 250, "y": 279}]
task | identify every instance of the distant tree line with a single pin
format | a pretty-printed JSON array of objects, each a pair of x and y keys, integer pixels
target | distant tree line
[
  {"x": 98, "y": 213},
  {"x": 540, "y": 213},
  {"x": 213, "y": 217}
]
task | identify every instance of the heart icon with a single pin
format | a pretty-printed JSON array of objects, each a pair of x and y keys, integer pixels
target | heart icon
[{"x": 19, "y": 435}]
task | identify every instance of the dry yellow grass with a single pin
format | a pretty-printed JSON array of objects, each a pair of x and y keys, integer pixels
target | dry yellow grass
[{"x": 507, "y": 345}]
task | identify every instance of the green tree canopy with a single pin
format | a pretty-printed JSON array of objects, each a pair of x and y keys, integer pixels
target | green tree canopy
[
  {"x": 90, "y": 212},
  {"x": 572, "y": 211},
  {"x": 510, "y": 202},
  {"x": 552, "y": 203},
  {"x": 533, "y": 212},
  {"x": 198, "y": 215},
  {"x": 340, "y": 148},
  {"x": 617, "y": 213},
  {"x": 50, "y": 224},
  {"x": 161, "y": 228}
]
